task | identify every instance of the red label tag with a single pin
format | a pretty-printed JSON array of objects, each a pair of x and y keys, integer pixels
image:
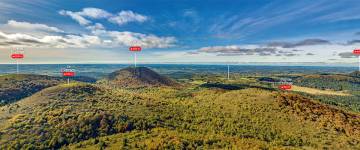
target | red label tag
[
  {"x": 68, "y": 74},
  {"x": 285, "y": 86},
  {"x": 135, "y": 48},
  {"x": 17, "y": 56},
  {"x": 356, "y": 52}
]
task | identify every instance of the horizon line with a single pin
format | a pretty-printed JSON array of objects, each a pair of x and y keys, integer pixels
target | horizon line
[{"x": 323, "y": 64}]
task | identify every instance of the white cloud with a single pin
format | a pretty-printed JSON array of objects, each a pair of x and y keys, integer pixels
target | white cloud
[
  {"x": 147, "y": 41},
  {"x": 36, "y": 35},
  {"x": 305, "y": 42},
  {"x": 124, "y": 17},
  {"x": 31, "y": 26},
  {"x": 105, "y": 39},
  {"x": 95, "y": 13},
  {"x": 76, "y": 16},
  {"x": 117, "y": 38},
  {"x": 120, "y": 18},
  {"x": 231, "y": 50},
  {"x": 99, "y": 37},
  {"x": 96, "y": 27},
  {"x": 53, "y": 41},
  {"x": 330, "y": 53},
  {"x": 347, "y": 55},
  {"x": 17, "y": 39}
]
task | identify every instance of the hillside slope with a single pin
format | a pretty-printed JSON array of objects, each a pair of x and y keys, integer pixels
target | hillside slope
[
  {"x": 14, "y": 87},
  {"x": 355, "y": 74},
  {"x": 91, "y": 116},
  {"x": 336, "y": 83}
]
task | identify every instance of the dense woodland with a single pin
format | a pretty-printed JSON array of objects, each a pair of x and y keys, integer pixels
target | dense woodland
[
  {"x": 349, "y": 83},
  {"x": 338, "y": 82},
  {"x": 15, "y": 87},
  {"x": 335, "y": 82},
  {"x": 207, "y": 112}
]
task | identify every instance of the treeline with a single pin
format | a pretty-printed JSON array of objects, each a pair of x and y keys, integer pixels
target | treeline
[{"x": 334, "y": 82}]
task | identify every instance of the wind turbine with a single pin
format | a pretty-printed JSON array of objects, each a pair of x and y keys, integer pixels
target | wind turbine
[{"x": 228, "y": 72}]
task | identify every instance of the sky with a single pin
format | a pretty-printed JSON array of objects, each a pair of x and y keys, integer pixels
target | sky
[{"x": 181, "y": 31}]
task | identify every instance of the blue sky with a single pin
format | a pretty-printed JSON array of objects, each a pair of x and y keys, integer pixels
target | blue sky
[{"x": 94, "y": 31}]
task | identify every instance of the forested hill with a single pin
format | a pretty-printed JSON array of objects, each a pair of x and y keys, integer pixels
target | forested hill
[
  {"x": 83, "y": 115},
  {"x": 139, "y": 77},
  {"x": 14, "y": 87},
  {"x": 355, "y": 74}
]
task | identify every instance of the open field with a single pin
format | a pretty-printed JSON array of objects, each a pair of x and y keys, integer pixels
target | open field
[{"x": 318, "y": 91}]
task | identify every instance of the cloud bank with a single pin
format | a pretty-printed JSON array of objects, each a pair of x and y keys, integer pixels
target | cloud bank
[
  {"x": 44, "y": 36},
  {"x": 232, "y": 50},
  {"x": 32, "y": 26},
  {"x": 306, "y": 42},
  {"x": 347, "y": 55}
]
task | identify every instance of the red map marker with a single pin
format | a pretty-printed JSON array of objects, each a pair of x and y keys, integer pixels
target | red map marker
[
  {"x": 68, "y": 73},
  {"x": 285, "y": 86},
  {"x": 357, "y": 52},
  {"x": 17, "y": 56},
  {"x": 135, "y": 49}
]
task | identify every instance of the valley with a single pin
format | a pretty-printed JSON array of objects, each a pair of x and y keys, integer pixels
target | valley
[{"x": 150, "y": 111}]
